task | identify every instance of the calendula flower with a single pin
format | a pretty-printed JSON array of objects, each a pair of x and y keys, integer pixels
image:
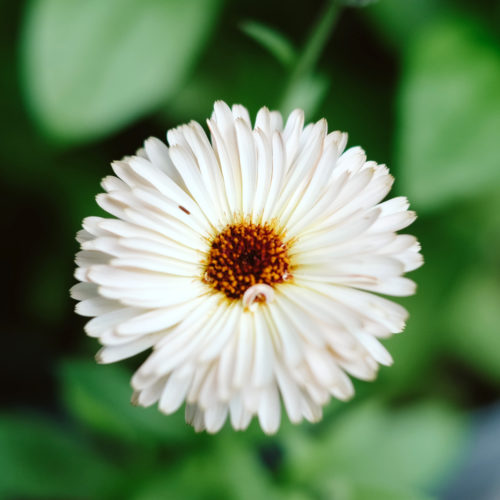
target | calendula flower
[{"x": 251, "y": 263}]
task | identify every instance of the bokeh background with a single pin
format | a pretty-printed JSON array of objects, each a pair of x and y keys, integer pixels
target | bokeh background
[{"x": 415, "y": 82}]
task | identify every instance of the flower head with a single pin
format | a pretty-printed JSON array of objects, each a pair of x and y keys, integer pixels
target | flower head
[{"x": 248, "y": 262}]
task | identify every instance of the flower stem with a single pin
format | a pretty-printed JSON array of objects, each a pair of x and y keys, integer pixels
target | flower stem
[{"x": 311, "y": 52}]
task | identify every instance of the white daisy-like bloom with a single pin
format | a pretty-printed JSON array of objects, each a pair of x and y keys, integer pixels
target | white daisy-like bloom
[{"x": 250, "y": 262}]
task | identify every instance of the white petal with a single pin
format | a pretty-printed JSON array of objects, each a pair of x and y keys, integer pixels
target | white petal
[
  {"x": 115, "y": 277},
  {"x": 290, "y": 346},
  {"x": 363, "y": 266},
  {"x": 264, "y": 172},
  {"x": 175, "y": 391},
  {"x": 157, "y": 319},
  {"x": 87, "y": 258},
  {"x": 229, "y": 167},
  {"x": 84, "y": 291},
  {"x": 291, "y": 311},
  {"x": 177, "y": 291},
  {"x": 291, "y": 134},
  {"x": 375, "y": 348},
  {"x": 317, "y": 183},
  {"x": 182, "y": 342},
  {"x": 196, "y": 417},
  {"x": 110, "y": 354},
  {"x": 95, "y": 327},
  {"x": 240, "y": 418},
  {"x": 128, "y": 230},
  {"x": 247, "y": 154},
  {"x": 111, "y": 183},
  {"x": 397, "y": 286},
  {"x": 172, "y": 212},
  {"x": 157, "y": 152},
  {"x": 278, "y": 172},
  {"x": 263, "y": 362},
  {"x": 263, "y": 121},
  {"x": 244, "y": 351},
  {"x": 362, "y": 368},
  {"x": 322, "y": 366},
  {"x": 215, "y": 416},
  {"x": 209, "y": 167},
  {"x": 291, "y": 395},
  {"x": 307, "y": 158},
  {"x": 149, "y": 395},
  {"x": 311, "y": 410},
  {"x": 207, "y": 395},
  {"x": 155, "y": 178},
  {"x": 162, "y": 265},
  {"x": 390, "y": 315},
  {"x": 224, "y": 141},
  {"x": 96, "y": 306},
  {"x": 216, "y": 340},
  {"x": 300, "y": 221},
  {"x": 188, "y": 170},
  {"x": 240, "y": 111},
  {"x": 350, "y": 228},
  {"x": 270, "y": 410}
]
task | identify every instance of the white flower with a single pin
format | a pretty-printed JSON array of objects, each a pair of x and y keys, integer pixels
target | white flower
[{"x": 246, "y": 261}]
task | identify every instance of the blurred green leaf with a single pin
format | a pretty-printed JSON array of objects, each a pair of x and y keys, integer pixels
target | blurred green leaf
[
  {"x": 473, "y": 317},
  {"x": 229, "y": 468},
  {"x": 357, "y": 3},
  {"x": 417, "y": 348},
  {"x": 306, "y": 88},
  {"x": 449, "y": 113},
  {"x": 374, "y": 492},
  {"x": 47, "y": 297},
  {"x": 307, "y": 93},
  {"x": 477, "y": 224},
  {"x": 340, "y": 489},
  {"x": 370, "y": 445},
  {"x": 39, "y": 459},
  {"x": 221, "y": 76},
  {"x": 99, "y": 396},
  {"x": 92, "y": 67},
  {"x": 399, "y": 22},
  {"x": 274, "y": 41}
]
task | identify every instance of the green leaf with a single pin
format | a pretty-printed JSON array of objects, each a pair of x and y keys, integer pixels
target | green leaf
[
  {"x": 99, "y": 396},
  {"x": 375, "y": 492},
  {"x": 306, "y": 93},
  {"x": 342, "y": 489},
  {"x": 221, "y": 76},
  {"x": 411, "y": 449},
  {"x": 416, "y": 349},
  {"x": 449, "y": 112},
  {"x": 229, "y": 468},
  {"x": 473, "y": 317},
  {"x": 272, "y": 40},
  {"x": 40, "y": 459},
  {"x": 398, "y": 22},
  {"x": 91, "y": 67},
  {"x": 357, "y": 3}
]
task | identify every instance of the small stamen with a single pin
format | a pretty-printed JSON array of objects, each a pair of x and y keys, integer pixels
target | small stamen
[{"x": 257, "y": 294}]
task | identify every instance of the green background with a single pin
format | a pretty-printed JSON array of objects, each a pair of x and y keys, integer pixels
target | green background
[{"x": 415, "y": 82}]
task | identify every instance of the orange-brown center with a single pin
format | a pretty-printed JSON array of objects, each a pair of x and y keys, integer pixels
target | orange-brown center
[{"x": 245, "y": 254}]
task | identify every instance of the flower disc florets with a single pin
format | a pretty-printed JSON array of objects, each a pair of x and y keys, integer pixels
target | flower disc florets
[{"x": 245, "y": 254}]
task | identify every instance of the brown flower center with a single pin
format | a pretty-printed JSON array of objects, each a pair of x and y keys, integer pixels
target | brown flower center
[{"x": 243, "y": 255}]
